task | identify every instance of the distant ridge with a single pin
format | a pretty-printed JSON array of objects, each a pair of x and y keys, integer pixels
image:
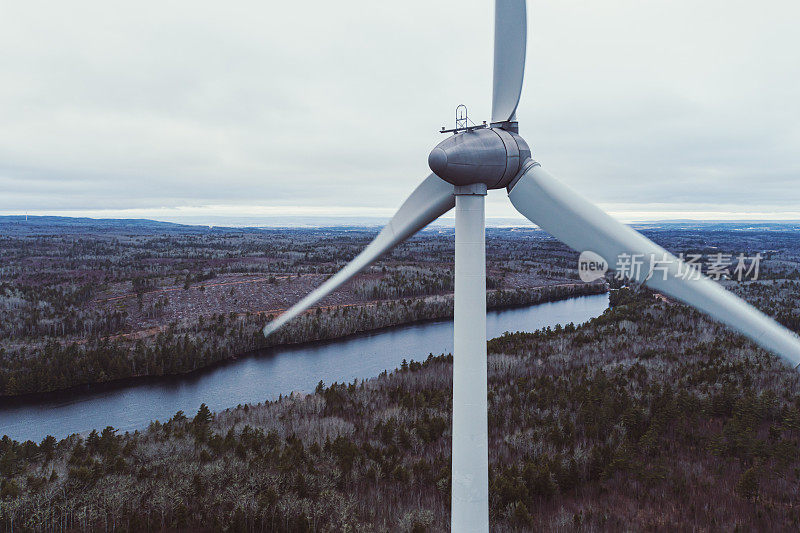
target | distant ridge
[
  {"x": 731, "y": 221},
  {"x": 722, "y": 225},
  {"x": 48, "y": 224},
  {"x": 43, "y": 225},
  {"x": 190, "y": 223},
  {"x": 81, "y": 221}
]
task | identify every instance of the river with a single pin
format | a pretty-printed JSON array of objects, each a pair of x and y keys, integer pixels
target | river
[{"x": 264, "y": 375}]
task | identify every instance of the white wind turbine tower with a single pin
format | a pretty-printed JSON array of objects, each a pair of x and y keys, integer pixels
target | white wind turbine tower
[{"x": 465, "y": 165}]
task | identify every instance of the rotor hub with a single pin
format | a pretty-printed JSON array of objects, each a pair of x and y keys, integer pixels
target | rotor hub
[{"x": 493, "y": 156}]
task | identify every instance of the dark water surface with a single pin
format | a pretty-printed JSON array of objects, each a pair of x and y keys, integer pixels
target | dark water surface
[{"x": 265, "y": 375}]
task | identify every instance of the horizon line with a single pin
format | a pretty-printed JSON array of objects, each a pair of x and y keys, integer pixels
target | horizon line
[{"x": 273, "y": 221}]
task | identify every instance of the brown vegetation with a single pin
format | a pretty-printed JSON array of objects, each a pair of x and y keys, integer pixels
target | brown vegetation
[
  {"x": 648, "y": 417},
  {"x": 100, "y": 306}
]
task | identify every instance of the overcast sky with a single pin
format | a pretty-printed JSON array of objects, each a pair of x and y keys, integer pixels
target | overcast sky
[{"x": 655, "y": 109}]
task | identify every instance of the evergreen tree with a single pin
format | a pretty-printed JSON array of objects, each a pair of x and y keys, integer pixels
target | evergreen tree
[{"x": 203, "y": 416}]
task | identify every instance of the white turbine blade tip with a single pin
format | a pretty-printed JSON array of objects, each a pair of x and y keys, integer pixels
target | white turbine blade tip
[
  {"x": 431, "y": 199},
  {"x": 275, "y": 325}
]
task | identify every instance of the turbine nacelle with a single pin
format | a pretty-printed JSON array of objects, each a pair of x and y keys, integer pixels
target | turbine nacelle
[{"x": 493, "y": 156}]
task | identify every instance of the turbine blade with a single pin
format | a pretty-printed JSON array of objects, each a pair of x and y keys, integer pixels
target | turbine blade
[
  {"x": 579, "y": 224},
  {"x": 430, "y": 200},
  {"x": 510, "y": 38}
]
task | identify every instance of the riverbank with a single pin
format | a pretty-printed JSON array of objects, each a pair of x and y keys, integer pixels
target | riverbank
[
  {"x": 650, "y": 417},
  {"x": 182, "y": 349},
  {"x": 264, "y": 374},
  {"x": 340, "y": 322}
]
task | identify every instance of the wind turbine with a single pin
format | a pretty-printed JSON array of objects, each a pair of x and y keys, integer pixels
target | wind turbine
[{"x": 467, "y": 164}]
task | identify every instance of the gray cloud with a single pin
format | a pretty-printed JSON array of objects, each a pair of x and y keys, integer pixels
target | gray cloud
[{"x": 664, "y": 105}]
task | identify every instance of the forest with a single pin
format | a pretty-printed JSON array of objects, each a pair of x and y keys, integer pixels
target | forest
[
  {"x": 649, "y": 417},
  {"x": 86, "y": 301}
]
